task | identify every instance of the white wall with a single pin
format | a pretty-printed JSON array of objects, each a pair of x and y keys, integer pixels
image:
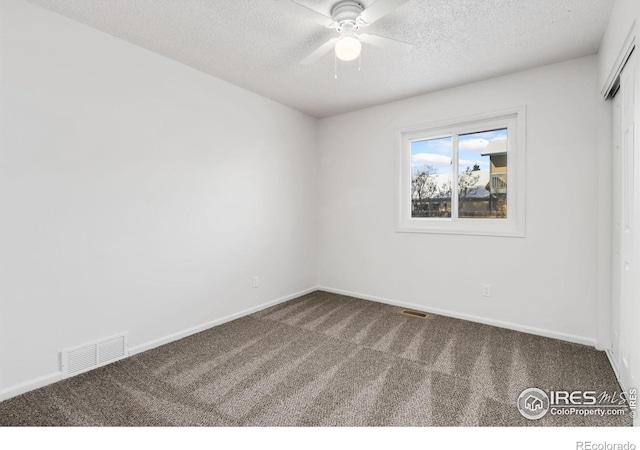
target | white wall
[
  {"x": 545, "y": 283},
  {"x": 137, "y": 194}
]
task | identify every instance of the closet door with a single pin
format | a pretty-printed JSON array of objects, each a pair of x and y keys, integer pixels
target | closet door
[
  {"x": 626, "y": 292},
  {"x": 616, "y": 247}
]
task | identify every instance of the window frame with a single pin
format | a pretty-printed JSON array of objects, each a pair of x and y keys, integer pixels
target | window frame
[{"x": 513, "y": 225}]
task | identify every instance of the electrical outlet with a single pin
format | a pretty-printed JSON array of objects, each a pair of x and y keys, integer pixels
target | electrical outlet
[
  {"x": 486, "y": 290},
  {"x": 256, "y": 281}
]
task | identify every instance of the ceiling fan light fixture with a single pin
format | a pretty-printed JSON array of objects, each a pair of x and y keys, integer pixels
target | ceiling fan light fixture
[
  {"x": 347, "y": 17},
  {"x": 348, "y": 48}
]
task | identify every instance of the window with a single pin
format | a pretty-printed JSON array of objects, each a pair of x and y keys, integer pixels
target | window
[{"x": 464, "y": 176}]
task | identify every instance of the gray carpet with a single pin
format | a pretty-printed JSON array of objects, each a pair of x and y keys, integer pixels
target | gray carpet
[{"x": 326, "y": 359}]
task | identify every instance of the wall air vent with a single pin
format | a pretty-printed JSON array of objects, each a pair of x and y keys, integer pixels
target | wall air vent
[{"x": 96, "y": 354}]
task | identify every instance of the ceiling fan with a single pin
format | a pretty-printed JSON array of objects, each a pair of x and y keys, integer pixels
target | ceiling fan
[{"x": 347, "y": 18}]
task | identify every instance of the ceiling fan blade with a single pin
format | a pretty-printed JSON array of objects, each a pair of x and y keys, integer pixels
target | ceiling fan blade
[
  {"x": 319, "y": 52},
  {"x": 385, "y": 43},
  {"x": 380, "y": 9},
  {"x": 304, "y": 12}
]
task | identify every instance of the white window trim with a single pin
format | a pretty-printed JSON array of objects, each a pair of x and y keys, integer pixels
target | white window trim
[{"x": 514, "y": 225}]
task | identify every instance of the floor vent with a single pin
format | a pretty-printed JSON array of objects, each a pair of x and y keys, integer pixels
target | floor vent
[
  {"x": 90, "y": 356},
  {"x": 420, "y": 314}
]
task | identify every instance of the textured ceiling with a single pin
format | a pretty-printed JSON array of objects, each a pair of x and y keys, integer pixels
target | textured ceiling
[{"x": 253, "y": 44}]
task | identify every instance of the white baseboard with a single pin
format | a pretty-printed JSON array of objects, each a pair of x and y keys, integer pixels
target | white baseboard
[
  {"x": 30, "y": 385},
  {"x": 53, "y": 377},
  {"x": 497, "y": 323},
  {"x": 205, "y": 326},
  {"x": 613, "y": 363}
]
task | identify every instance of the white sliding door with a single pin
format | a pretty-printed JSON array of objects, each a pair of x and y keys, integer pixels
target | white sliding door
[{"x": 626, "y": 212}]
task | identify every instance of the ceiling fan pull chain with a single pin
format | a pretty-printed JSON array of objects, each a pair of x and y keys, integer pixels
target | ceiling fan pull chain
[
  {"x": 335, "y": 66},
  {"x": 359, "y": 62}
]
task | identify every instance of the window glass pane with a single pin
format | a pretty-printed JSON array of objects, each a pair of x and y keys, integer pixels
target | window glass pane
[
  {"x": 482, "y": 174},
  {"x": 431, "y": 177}
]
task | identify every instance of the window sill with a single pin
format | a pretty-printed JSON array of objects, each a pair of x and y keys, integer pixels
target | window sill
[{"x": 445, "y": 226}]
